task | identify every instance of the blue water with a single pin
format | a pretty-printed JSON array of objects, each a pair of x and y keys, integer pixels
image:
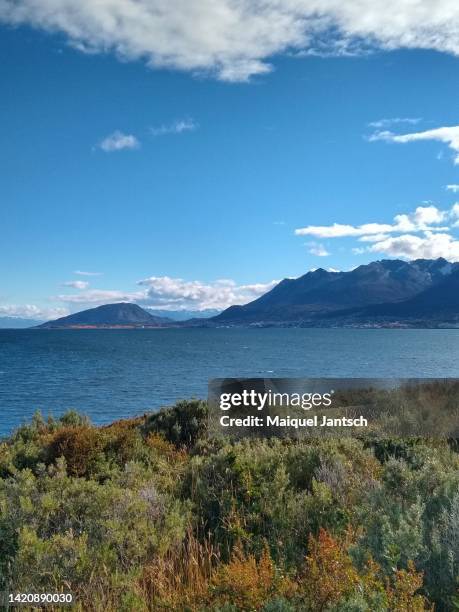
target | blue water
[{"x": 109, "y": 374}]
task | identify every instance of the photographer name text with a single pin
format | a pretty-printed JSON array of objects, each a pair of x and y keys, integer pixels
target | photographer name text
[{"x": 295, "y": 423}]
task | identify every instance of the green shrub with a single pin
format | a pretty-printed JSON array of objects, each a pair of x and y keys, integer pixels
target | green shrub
[{"x": 183, "y": 424}]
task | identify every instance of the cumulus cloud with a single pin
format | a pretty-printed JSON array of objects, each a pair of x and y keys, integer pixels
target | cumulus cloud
[
  {"x": 30, "y": 311},
  {"x": 234, "y": 40},
  {"x": 423, "y": 218},
  {"x": 78, "y": 284},
  {"x": 173, "y": 294},
  {"x": 177, "y": 127},
  {"x": 118, "y": 141},
  {"x": 420, "y": 234},
  {"x": 447, "y": 135},
  {"x": 84, "y": 273},
  {"x": 317, "y": 249},
  {"x": 409, "y": 246},
  {"x": 178, "y": 294}
]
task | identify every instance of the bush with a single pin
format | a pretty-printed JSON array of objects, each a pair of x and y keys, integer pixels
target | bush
[
  {"x": 183, "y": 424},
  {"x": 247, "y": 583},
  {"x": 80, "y": 446}
]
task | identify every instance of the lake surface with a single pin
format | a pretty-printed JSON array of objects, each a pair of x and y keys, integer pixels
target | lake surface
[{"x": 110, "y": 374}]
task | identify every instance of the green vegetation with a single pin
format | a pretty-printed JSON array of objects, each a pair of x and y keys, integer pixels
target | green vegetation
[{"x": 150, "y": 514}]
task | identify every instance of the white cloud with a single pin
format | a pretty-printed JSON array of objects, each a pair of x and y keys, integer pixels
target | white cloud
[
  {"x": 338, "y": 230},
  {"x": 118, "y": 141},
  {"x": 179, "y": 294},
  {"x": 173, "y": 294},
  {"x": 454, "y": 188},
  {"x": 177, "y": 127},
  {"x": 373, "y": 238},
  {"x": 78, "y": 284},
  {"x": 317, "y": 249},
  {"x": 384, "y": 123},
  {"x": 423, "y": 218},
  {"x": 414, "y": 235},
  {"x": 83, "y": 273},
  {"x": 95, "y": 297},
  {"x": 30, "y": 311},
  {"x": 234, "y": 40},
  {"x": 409, "y": 246},
  {"x": 447, "y": 135}
]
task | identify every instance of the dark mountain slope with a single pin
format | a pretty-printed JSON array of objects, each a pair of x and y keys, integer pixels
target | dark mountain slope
[
  {"x": 438, "y": 302},
  {"x": 320, "y": 292},
  {"x": 109, "y": 315}
]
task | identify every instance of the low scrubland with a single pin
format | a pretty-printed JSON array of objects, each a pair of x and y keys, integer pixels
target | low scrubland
[{"x": 152, "y": 514}]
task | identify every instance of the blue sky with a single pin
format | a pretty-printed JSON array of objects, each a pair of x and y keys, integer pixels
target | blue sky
[{"x": 195, "y": 186}]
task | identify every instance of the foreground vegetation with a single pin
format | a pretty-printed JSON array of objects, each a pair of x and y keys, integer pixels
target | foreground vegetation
[{"x": 149, "y": 514}]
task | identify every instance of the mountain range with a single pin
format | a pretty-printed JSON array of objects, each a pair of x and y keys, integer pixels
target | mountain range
[
  {"x": 386, "y": 293},
  {"x": 415, "y": 293}
]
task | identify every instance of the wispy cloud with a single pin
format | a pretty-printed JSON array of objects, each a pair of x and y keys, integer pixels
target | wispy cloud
[
  {"x": 84, "y": 273},
  {"x": 446, "y": 135},
  {"x": 95, "y": 297},
  {"x": 118, "y": 141},
  {"x": 177, "y": 127},
  {"x": 373, "y": 238},
  {"x": 423, "y": 218},
  {"x": 385, "y": 123},
  {"x": 77, "y": 284},
  {"x": 235, "y": 40}
]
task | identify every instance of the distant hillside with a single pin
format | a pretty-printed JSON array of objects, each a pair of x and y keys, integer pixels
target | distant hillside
[
  {"x": 183, "y": 315},
  {"x": 320, "y": 296},
  {"x": 109, "y": 315},
  {"x": 17, "y": 323}
]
